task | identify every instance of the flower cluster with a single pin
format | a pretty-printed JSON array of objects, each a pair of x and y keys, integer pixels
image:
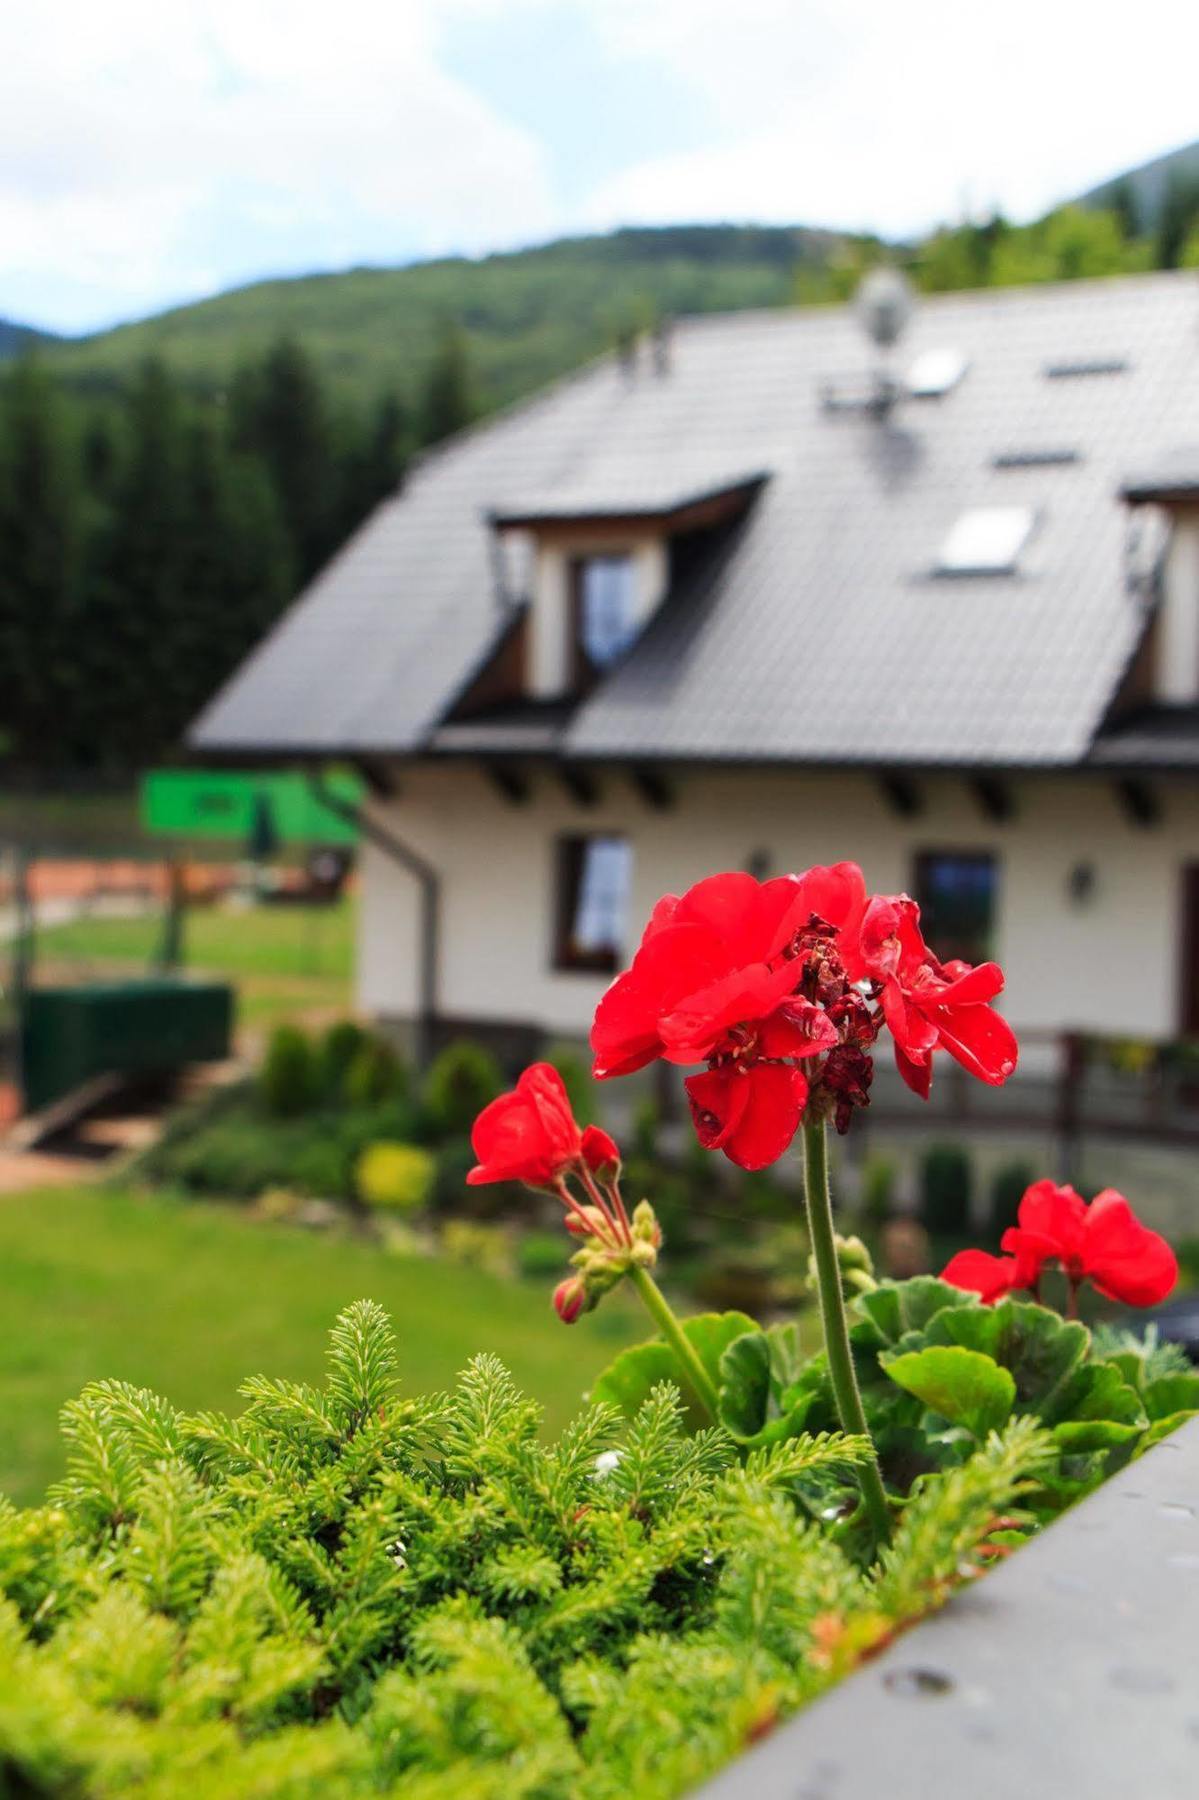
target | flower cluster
[
  {"x": 1103, "y": 1243},
  {"x": 531, "y": 1135},
  {"x": 781, "y": 988}
]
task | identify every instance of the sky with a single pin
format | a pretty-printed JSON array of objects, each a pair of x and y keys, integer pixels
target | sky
[{"x": 157, "y": 151}]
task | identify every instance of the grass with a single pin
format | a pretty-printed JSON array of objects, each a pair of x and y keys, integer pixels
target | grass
[
  {"x": 306, "y": 941},
  {"x": 287, "y": 962},
  {"x": 189, "y": 1299}
]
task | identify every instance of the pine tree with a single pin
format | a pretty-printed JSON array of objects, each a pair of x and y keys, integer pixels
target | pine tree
[
  {"x": 134, "y": 678},
  {"x": 41, "y": 545},
  {"x": 281, "y": 415},
  {"x": 447, "y": 399}
]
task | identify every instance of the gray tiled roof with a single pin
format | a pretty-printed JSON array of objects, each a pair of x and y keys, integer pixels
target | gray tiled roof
[{"x": 817, "y": 632}]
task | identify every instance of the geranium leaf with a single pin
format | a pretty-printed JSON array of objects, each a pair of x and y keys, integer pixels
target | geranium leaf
[
  {"x": 964, "y": 1386},
  {"x": 1040, "y": 1349},
  {"x": 1171, "y": 1394},
  {"x": 896, "y": 1307},
  {"x": 760, "y": 1400},
  {"x": 629, "y": 1380}
]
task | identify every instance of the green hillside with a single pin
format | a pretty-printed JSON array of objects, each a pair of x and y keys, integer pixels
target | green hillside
[{"x": 528, "y": 316}]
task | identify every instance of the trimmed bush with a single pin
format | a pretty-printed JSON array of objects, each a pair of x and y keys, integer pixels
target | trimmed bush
[
  {"x": 336, "y": 1051},
  {"x": 945, "y": 1185},
  {"x": 395, "y": 1177},
  {"x": 287, "y": 1080},
  {"x": 375, "y": 1073},
  {"x": 1007, "y": 1189},
  {"x": 461, "y": 1081}
]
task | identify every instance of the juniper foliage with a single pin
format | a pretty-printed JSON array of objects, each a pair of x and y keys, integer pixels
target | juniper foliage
[{"x": 344, "y": 1592}]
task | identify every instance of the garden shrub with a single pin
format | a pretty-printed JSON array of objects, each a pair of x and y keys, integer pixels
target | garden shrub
[
  {"x": 945, "y": 1186},
  {"x": 394, "y": 1177},
  {"x": 462, "y": 1079},
  {"x": 646, "y": 1123},
  {"x": 478, "y": 1244},
  {"x": 347, "y": 1592},
  {"x": 374, "y": 1074},
  {"x": 335, "y": 1052},
  {"x": 1008, "y": 1185},
  {"x": 287, "y": 1079}
]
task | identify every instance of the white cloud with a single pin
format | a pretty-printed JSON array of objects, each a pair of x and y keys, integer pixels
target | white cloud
[
  {"x": 141, "y": 143},
  {"x": 156, "y": 149},
  {"x": 864, "y": 113}
]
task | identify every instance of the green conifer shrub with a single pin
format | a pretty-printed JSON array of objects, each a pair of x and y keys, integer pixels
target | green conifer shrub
[
  {"x": 346, "y": 1591},
  {"x": 462, "y": 1079},
  {"x": 287, "y": 1080}
]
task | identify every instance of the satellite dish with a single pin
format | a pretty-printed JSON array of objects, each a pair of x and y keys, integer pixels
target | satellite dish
[{"x": 884, "y": 303}]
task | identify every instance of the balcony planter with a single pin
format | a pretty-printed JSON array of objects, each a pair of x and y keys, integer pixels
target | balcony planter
[{"x": 1070, "y": 1671}]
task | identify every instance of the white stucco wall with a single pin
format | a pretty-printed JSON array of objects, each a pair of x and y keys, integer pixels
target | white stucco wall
[
  {"x": 1178, "y": 636},
  {"x": 1110, "y": 964}
]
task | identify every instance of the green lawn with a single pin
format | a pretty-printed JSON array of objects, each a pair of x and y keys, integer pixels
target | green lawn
[
  {"x": 305, "y": 941},
  {"x": 190, "y": 1298},
  {"x": 286, "y": 962}
]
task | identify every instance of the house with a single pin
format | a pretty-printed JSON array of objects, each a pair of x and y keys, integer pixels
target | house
[{"x": 764, "y": 594}]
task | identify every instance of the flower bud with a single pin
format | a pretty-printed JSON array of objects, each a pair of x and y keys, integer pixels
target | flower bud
[
  {"x": 601, "y": 1153},
  {"x": 570, "y": 1298},
  {"x": 646, "y": 1228},
  {"x": 588, "y": 1222}
]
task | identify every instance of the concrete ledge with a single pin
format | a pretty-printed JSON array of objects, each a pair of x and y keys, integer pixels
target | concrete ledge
[{"x": 1069, "y": 1673}]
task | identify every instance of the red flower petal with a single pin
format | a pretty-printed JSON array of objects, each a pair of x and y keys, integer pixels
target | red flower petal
[
  {"x": 771, "y": 1116},
  {"x": 979, "y": 1038},
  {"x": 1125, "y": 1260},
  {"x": 718, "y": 1100},
  {"x": 1049, "y": 1222},
  {"x": 917, "y": 1073},
  {"x": 980, "y": 1273},
  {"x": 599, "y": 1150},
  {"x": 797, "y": 1027},
  {"x": 674, "y": 961},
  {"x": 701, "y": 1019},
  {"x": 527, "y": 1135},
  {"x": 835, "y": 893}
]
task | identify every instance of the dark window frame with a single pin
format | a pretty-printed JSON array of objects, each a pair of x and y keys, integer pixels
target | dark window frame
[
  {"x": 923, "y": 861},
  {"x": 569, "y": 863}
]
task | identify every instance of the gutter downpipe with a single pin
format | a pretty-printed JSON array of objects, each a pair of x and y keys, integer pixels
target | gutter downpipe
[{"x": 429, "y": 882}]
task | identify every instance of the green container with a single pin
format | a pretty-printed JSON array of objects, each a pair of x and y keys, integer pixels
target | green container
[{"x": 71, "y": 1034}]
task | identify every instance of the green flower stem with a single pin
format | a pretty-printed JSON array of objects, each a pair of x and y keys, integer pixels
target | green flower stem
[
  {"x": 833, "y": 1319},
  {"x": 660, "y": 1312}
]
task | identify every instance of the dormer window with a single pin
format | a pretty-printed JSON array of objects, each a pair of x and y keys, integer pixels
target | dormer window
[{"x": 607, "y": 613}]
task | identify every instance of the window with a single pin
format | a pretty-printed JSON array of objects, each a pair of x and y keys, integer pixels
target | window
[
  {"x": 605, "y": 608},
  {"x": 957, "y": 891},
  {"x": 986, "y": 541},
  {"x": 594, "y": 875}
]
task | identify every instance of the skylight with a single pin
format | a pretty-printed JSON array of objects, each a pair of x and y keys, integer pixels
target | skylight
[
  {"x": 986, "y": 541},
  {"x": 936, "y": 372},
  {"x": 1070, "y": 367}
]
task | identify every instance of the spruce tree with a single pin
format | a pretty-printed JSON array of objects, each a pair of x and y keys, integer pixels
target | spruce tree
[
  {"x": 447, "y": 400},
  {"x": 41, "y": 542},
  {"x": 281, "y": 415}
]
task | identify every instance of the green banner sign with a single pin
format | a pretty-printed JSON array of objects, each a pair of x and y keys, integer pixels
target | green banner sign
[{"x": 244, "y": 806}]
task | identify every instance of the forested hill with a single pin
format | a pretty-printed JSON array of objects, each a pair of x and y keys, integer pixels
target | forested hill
[
  {"x": 15, "y": 338},
  {"x": 527, "y": 316}
]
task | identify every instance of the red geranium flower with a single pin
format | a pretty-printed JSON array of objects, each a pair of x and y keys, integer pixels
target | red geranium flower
[
  {"x": 930, "y": 1005},
  {"x": 715, "y": 981},
  {"x": 755, "y": 978},
  {"x": 1104, "y": 1243},
  {"x": 528, "y": 1135}
]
